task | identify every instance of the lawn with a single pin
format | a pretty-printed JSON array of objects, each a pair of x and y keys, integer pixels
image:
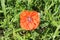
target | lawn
[{"x": 48, "y": 29}]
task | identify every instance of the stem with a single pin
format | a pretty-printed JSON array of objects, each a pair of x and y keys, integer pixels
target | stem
[
  {"x": 56, "y": 32},
  {"x": 3, "y": 7},
  {"x": 29, "y": 2}
]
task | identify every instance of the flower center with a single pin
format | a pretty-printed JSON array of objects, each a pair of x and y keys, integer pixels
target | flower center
[{"x": 29, "y": 19}]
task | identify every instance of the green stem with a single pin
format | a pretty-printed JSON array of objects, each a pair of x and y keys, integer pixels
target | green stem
[
  {"x": 3, "y": 7},
  {"x": 1, "y": 11},
  {"x": 56, "y": 32}
]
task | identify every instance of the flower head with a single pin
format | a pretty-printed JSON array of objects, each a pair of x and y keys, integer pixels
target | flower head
[{"x": 29, "y": 20}]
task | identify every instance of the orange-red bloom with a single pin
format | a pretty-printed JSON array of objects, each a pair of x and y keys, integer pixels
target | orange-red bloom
[{"x": 29, "y": 20}]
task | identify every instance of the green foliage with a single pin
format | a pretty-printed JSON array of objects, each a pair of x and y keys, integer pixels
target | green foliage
[{"x": 49, "y": 28}]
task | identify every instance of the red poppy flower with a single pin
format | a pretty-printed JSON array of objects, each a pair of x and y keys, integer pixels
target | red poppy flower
[{"x": 29, "y": 20}]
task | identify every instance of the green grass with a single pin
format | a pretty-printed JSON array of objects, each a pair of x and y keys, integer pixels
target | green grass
[{"x": 49, "y": 28}]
